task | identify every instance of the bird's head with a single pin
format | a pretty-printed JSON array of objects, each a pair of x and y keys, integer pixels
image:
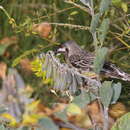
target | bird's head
[{"x": 68, "y": 48}]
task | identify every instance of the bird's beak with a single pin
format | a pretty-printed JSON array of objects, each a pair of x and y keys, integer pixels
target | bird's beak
[{"x": 60, "y": 51}]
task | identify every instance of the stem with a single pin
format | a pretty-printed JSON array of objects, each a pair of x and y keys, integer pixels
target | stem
[
  {"x": 88, "y": 10},
  {"x": 11, "y": 20},
  {"x": 95, "y": 41},
  {"x": 104, "y": 111},
  {"x": 6, "y": 13},
  {"x": 106, "y": 123},
  {"x": 53, "y": 14},
  {"x": 71, "y": 26},
  {"x": 93, "y": 34}
]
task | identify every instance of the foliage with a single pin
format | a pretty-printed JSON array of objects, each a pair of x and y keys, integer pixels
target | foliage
[
  {"x": 122, "y": 123},
  {"x": 40, "y": 25},
  {"x": 100, "y": 59}
]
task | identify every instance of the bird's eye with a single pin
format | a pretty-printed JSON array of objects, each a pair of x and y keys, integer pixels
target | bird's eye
[{"x": 67, "y": 50}]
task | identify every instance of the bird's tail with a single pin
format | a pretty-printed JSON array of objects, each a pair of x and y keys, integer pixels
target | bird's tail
[{"x": 112, "y": 71}]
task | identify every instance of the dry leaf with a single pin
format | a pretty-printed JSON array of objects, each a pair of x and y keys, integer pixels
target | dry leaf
[
  {"x": 29, "y": 89},
  {"x": 81, "y": 120},
  {"x": 59, "y": 107},
  {"x": 3, "y": 70},
  {"x": 26, "y": 65},
  {"x": 117, "y": 110},
  {"x": 9, "y": 117},
  {"x": 31, "y": 119},
  {"x": 65, "y": 129},
  {"x": 94, "y": 111},
  {"x": 43, "y": 29},
  {"x": 9, "y": 40},
  {"x": 6, "y": 54},
  {"x": 44, "y": 110}
]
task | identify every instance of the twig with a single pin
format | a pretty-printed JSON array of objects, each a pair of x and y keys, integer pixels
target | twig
[
  {"x": 6, "y": 13},
  {"x": 79, "y": 6},
  {"x": 32, "y": 51},
  {"x": 71, "y": 26},
  {"x": 123, "y": 42},
  {"x": 119, "y": 39},
  {"x": 69, "y": 125},
  {"x": 52, "y": 14}
]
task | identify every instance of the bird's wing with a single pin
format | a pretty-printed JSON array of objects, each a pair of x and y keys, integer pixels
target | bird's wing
[
  {"x": 81, "y": 61},
  {"x": 111, "y": 70}
]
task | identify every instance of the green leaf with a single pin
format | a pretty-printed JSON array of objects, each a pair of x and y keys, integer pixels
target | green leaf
[
  {"x": 63, "y": 80},
  {"x": 94, "y": 23},
  {"x": 24, "y": 128},
  {"x": 87, "y": 2},
  {"x": 103, "y": 29},
  {"x": 73, "y": 86},
  {"x": 83, "y": 99},
  {"x": 116, "y": 92},
  {"x": 57, "y": 81},
  {"x": 73, "y": 109},
  {"x": 74, "y": 13},
  {"x": 124, "y": 7},
  {"x": 3, "y": 47},
  {"x": 104, "y": 6},
  {"x": 25, "y": 54},
  {"x": 100, "y": 59},
  {"x": 62, "y": 115},
  {"x": 106, "y": 92},
  {"x": 3, "y": 109},
  {"x": 122, "y": 123},
  {"x": 2, "y": 127},
  {"x": 116, "y": 2},
  {"x": 49, "y": 69},
  {"x": 46, "y": 123}
]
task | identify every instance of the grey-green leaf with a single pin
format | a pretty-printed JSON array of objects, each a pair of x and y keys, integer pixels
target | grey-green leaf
[
  {"x": 79, "y": 80},
  {"x": 100, "y": 59},
  {"x": 2, "y": 127},
  {"x": 123, "y": 123},
  {"x": 3, "y": 47},
  {"x": 104, "y": 6},
  {"x": 62, "y": 80},
  {"x": 3, "y": 109},
  {"x": 46, "y": 123},
  {"x": 106, "y": 92},
  {"x": 62, "y": 115},
  {"x": 49, "y": 69},
  {"x": 73, "y": 86},
  {"x": 69, "y": 79},
  {"x": 57, "y": 79},
  {"x": 83, "y": 99},
  {"x": 45, "y": 65},
  {"x": 24, "y": 128},
  {"x": 116, "y": 92},
  {"x": 86, "y": 2},
  {"x": 94, "y": 23},
  {"x": 103, "y": 29}
]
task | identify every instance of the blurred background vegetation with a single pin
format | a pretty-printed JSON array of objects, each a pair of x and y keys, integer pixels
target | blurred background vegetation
[
  {"x": 21, "y": 40},
  {"x": 30, "y": 27}
]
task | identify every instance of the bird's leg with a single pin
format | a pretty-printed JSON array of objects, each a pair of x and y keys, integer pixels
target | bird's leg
[
  {"x": 70, "y": 96},
  {"x": 68, "y": 62}
]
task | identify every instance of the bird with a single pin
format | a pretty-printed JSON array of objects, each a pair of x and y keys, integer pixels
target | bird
[{"x": 83, "y": 60}]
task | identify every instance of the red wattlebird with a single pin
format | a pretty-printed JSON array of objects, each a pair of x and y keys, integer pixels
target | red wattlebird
[{"x": 83, "y": 60}]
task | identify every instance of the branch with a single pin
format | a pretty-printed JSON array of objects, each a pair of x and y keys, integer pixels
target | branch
[{"x": 71, "y": 26}]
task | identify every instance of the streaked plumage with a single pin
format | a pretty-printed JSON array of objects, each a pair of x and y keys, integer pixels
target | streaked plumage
[{"x": 83, "y": 60}]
